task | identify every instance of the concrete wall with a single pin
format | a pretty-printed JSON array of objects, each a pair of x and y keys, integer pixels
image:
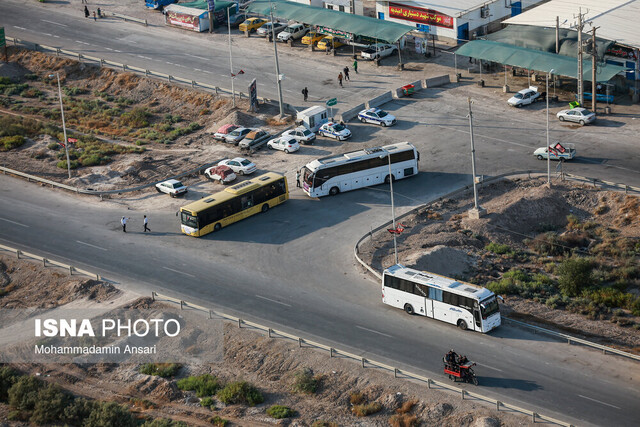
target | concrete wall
[
  {"x": 351, "y": 113},
  {"x": 437, "y": 81},
  {"x": 379, "y": 100}
]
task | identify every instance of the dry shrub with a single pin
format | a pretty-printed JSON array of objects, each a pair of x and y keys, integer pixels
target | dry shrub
[
  {"x": 629, "y": 211},
  {"x": 403, "y": 420},
  {"x": 406, "y": 407},
  {"x": 601, "y": 209},
  {"x": 356, "y": 398},
  {"x": 127, "y": 81},
  {"x": 276, "y": 121},
  {"x": 574, "y": 239},
  {"x": 219, "y": 104},
  {"x": 433, "y": 215},
  {"x": 366, "y": 409}
]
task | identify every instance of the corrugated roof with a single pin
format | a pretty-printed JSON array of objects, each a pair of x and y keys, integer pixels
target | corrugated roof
[
  {"x": 617, "y": 19},
  {"x": 355, "y": 24},
  {"x": 537, "y": 60}
]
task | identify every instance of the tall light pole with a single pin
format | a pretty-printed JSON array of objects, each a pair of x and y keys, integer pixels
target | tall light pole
[
  {"x": 548, "y": 139},
  {"x": 231, "y": 60},
  {"x": 275, "y": 50},
  {"x": 64, "y": 127},
  {"x": 477, "y": 211},
  {"x": 393, "y": 210}
]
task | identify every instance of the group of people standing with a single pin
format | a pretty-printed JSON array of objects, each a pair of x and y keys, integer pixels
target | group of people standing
[
  {"x": 145, "y": 221},
  {"x": 342, "y": 76},
  {"x": 87, "y": 14}
]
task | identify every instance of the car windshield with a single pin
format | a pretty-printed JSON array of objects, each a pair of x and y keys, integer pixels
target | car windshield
[
  {"x": 235, "y": 132},
  {"x": 338, "y": 127},
  {"x": 189, "y": 220},
  {"x": 518, "y": 96},
  {"x": 290, "y": 30},
  {"x": 586, "y": 112},
  {"x": 306, "y": 132},
  {"x": 382, "y": 113},
  {"x": 245, "y": 162},
  {"x": 489, "y": 307}
]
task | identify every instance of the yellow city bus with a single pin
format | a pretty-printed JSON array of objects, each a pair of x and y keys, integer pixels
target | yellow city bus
[{"x": 234, "y": 203}]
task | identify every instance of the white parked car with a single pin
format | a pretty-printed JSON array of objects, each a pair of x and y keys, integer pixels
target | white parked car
[
  {"x": 378, "y": 50},
  {"x": 377, "y": 117},
  {"x": 335, "y": 130},
  {"x": 221, "y": 173},
  {"x": 239, "y": 165},
  {"x": 172, "y": 187},
  {"x": 577, "y": 115},
  {"x": 265, "y": 30},
  {"x": 301, "y": 134},
  {"x": 288, "y": 144},
  {"x": 293, "y": 32},
  {"x": 525, "y": 97}
]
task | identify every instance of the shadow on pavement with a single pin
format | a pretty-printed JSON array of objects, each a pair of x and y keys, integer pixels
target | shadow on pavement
[{"x": 508, "y": 383}]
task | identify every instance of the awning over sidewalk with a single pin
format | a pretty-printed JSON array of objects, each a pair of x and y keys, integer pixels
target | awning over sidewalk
[
  {"x": 355, "y": 24},
  {"x": 537, "y": 60},
  {"x": 203, "y": 5}
]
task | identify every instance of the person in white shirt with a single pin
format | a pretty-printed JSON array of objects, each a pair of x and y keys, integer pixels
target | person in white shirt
[
  {"x": 123, "y": 221},
  {"x": 146, "y": 224}
]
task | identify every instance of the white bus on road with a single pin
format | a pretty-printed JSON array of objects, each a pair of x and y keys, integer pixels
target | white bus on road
[
  {"x": 357, "y": 169},
  {"x": 463, "y": 304}
]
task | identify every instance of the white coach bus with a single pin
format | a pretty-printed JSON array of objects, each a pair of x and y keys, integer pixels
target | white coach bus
[
  {"x": 463, "y": 304},
  {"x": 362, "y": 168}
]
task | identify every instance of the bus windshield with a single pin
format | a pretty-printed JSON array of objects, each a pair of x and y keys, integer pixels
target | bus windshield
[
  {"x": 489, "y": 307},
  {"x": 307, "y": 176},
  {"x": 189, "y": 220}
]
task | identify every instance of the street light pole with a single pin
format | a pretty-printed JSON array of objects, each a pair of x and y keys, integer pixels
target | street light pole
[
  {"x": 393, "y": 210},
  {"x": 548, "y": 140},
  {"x": 477, "y": 211},
  {"x": 275, "y": 50},
  {"x": 233, "y": 92},
  {"x": 64, "y": 127}
]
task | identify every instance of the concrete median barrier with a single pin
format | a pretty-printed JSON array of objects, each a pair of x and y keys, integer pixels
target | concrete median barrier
[
  {"x": 345, "y": 116},
  {"x": 379, "y": 100},
  {"x": 437, "y": 81}
]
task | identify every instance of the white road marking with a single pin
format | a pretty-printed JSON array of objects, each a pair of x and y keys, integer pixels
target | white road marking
[
  {"x": 178, "y": 271},
  {"x": 208, "y": 72},
  {"x": 272, "y": 300},
  {"x": 56, "y": 36},
  {"x": 56, "y": 23},
  {"x": 89, "y": 244},
  {"x": 490, "y": 367},
  {"x": 199, "y": 57},
  {"x": 78, "y": 41},
  {"x": 108, "y": 48},
  {"x": 16, "y": 223},
  {"x": 131, "y": 41},
  {"x": 116, "y": 50},
  {"x": 598, "y": 401},
  {"x": 47, "y": 34},
  {"x": 143, "y": 57},
  {"x": 170, "y": 63},
  {"x": 20, "y": 28},
  {"x": 374, "y": 331},
  {"x": 197, "y": 69}
]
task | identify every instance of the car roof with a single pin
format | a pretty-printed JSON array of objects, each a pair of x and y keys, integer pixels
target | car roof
[
  {"x": 238, "y": 159},
  {"x": 172, "y": 181},
  {"x": 227, "y": 127}
]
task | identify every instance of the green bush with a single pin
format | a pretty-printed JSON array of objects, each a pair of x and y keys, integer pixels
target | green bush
[
  {"x": 279, "y": 412},
  {"x": 23, "y": 395},
  {"x": 78, "y": 411},
  {"x": 164, "y": 370},
  {"x": 109, "y": 414},
  {"x": 164, "y": 422},
  {"x": 203, "y": 385},
  {"x": 138, "y": 117},
  {"x": 546, "y": 244},
  {"x": 240, "y": 392},
  {"x": 10, "y": 142},
  {"x": 208, "y": 402},
  {"x": 62, "y": 164},
  {"x": 72, "y": 91},
  {"x": 218, "y": 422},
  {"x": 305, "y": 382},
  {"x": 574, "y": 275},
  {"x": 323, "y": 423},
  {"x": 51, "y": 404},
  {"x": 8, "y": 377},
  {"x": 497, "y": 248}
]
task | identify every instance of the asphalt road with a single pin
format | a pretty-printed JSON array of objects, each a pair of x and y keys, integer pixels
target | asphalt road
[{"x": 294, "y": 265}]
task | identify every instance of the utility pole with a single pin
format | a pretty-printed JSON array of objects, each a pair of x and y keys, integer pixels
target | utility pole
[
  {"x": 477, "y": 211},
  {"x": 233, "y": 92},
  {"x": 594, "y": 83},
  {"x": 557, "y": 34},
  {"x": 275, "y": 50},
  {"x": 580, "y": 80},
  {"x": 64, "y": 127},
  {"x": 352, "y": 7}
]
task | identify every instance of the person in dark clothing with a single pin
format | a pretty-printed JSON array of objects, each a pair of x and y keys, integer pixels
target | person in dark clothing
[
  {"x": 346, "y": 73},
  {"x": 123, "y": 221},
  {"x": 355, "y": 65},
  {"x": 298, "y": 178},
  {"x": 305, "y": 93},
  {"x": 99, "y": 13},
  {"x": 86, "y": 12},
  {"x": 340, "y": 79}
]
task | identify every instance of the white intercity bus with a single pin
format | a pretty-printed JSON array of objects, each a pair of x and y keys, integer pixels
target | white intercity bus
[
  {"x": 463, "y": 304},
  {"x": 357, "y": 169}
]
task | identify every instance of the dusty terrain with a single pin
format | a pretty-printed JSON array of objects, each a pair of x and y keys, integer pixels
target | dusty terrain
[
  {"x": 443, "y": 239},
  {"x": 269, "y": 364}
]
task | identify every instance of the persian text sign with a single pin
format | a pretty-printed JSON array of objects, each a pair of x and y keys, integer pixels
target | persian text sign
[
  {"x": 423, "y": 16},
  {"x": 181, "y": 20}
]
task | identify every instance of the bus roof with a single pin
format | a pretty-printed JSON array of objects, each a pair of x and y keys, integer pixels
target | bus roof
[
  {"x": 231, "y": 192},
  {"x": 359, "y": 155},
  {"x": 427, "y": 278}
]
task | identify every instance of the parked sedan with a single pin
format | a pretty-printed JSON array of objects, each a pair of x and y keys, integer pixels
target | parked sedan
[
  {"x": 329, "y": 41},
  {"x": 223, "y": 174},
  {"x": 301, "y": 134},
  {"x": 312, "y": 38},
  {"x": 253, "y": 138},
  {"x": 239, "y": 165},
  {"x": 335, "y": 130},
  {"x": 525, "y": 97},
  {"x": 265, "y": 30},
  {"x": 171, "y": 187},
  {"x": 237, "y": 135},
  {"x": 288, "y": 144},
  {"x": 558, "y": 151},
  {"x": 378, "y": 50},
  {"x": 252, "y": 24},
  {"x": 377, "y": 117},
  {"x": 577, "y": 115},
  {"x": 223, "y": 131}
]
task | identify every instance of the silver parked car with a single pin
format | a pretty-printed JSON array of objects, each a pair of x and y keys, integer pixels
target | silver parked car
[{"x": 577, "y": 115}]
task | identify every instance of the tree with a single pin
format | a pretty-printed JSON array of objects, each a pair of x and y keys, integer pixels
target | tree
[{"x": 574, "y": 275}]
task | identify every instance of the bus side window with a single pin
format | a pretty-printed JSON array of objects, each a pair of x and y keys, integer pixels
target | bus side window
[
  {"x": 436, "y": 294},
  {"x": 247, "y": 201}
]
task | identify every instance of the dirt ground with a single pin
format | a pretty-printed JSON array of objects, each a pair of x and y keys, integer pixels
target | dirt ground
[
  {"x": 270, "y": 364},
  {"x": 443, "y": 239}
]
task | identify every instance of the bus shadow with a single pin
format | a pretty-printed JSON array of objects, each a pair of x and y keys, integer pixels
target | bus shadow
[
  {"x": 514, "y": 332},
  {"x": 509, "y": 383}
]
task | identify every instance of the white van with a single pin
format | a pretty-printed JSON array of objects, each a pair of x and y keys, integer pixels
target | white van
[
  {"x": 293, "y": 31},
  {"x": 313, "y": 117}
]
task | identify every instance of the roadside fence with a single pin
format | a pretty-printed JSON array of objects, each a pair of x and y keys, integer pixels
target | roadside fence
[
  {"x": 536, "y": 329},
  {"x": 46, "y": 262}
]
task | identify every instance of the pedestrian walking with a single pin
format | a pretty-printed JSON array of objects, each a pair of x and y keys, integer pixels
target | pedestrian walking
[
  {"x": 346, "y": 73},
  {"x": 340, "y": 79},
  {"x": 305, "y": 93},
  {"x": 298, "y": 178},
  {"x": 123, "y": 221},
  {"x": 99, "y": 13},
  {"x": 355, "y": 65},
  {"x": 146, "y": 224},
  {"x": 86, "y": 12},
  {"x": 94, "y": 16}
]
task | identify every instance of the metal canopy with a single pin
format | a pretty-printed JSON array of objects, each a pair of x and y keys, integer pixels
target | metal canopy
[
  {"x": 538, "y": 60},
  {"x": 355, "y": 24}
]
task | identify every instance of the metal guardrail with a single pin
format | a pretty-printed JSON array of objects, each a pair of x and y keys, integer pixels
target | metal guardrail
[
  {"x": 46, "y": 261},
  {"x": 570, "y": 339},
  {"x": 364, "y": 362},
  {"x": 127, "y": 18}
]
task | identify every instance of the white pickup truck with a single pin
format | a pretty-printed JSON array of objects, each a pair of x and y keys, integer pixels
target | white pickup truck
[
  {"x": 526, "y": 97},
  {"x": 293, "y": 32}
]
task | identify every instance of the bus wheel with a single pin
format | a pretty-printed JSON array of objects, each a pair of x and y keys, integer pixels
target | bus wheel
[
  {"x": 408, "y": 309},
  {"x": 334, "y": 191},
  {"x": 265, "y": 207},
  {"x": 462, "y": 325},
  {"x": 217, "y": 227},
  {"x": 387, "y": 178}
]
